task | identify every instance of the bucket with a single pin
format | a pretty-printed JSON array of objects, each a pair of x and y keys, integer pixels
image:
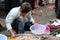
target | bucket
[
  {"x": 40, "y": 29},
  {"x": 3, "y": 37}
]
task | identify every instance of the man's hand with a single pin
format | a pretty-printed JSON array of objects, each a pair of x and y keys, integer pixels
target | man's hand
[
  {"x": 12, "y": 34},
  {"x": 34, "y": 23}
]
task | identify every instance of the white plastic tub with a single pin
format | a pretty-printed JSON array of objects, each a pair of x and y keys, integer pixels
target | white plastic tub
[{"x": 40, "y": 29}]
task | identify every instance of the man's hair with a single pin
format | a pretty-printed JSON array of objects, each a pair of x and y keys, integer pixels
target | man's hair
[{"x": 25, "y": 7}]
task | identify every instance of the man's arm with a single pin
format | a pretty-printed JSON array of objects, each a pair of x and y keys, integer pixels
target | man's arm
[
  {"x": 9, "y": 19},
  {"x": 30, "y": 18},
  {"x": 9, "y": 28}
]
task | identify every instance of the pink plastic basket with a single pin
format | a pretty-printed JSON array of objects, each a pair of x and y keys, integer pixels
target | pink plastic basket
[{"x": 47, "y": 31}]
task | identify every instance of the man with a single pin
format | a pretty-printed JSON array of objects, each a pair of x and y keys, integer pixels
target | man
[
  {"x": 17, "y": 16},
  {"x": 36, "y": 5},
  {"x": 57, "y": 10},
  {"x": 56, "y": 6}
]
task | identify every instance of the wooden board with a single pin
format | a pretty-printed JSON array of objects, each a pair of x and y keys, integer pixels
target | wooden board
[{"x": 35, "y": 37}]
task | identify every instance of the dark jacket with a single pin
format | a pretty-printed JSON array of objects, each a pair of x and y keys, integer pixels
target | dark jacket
[
  {"x": 9, "y": 4},
  {"x": 57, "y": 4}
]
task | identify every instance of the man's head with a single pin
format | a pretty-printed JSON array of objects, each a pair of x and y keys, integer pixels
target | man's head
[{"x": 25, "y": 7}]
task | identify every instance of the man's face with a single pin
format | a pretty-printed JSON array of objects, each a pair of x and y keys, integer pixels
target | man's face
[{"x": 24, "y": 14}]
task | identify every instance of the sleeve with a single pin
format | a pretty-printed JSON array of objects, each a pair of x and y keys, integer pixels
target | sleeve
[
  {"x": 30, "y": 18},
  {"x": 9, "y": 19}
]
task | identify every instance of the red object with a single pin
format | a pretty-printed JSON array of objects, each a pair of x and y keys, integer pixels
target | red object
[
  {"x": 54, "y": 27},
  {"x": 51, "y": 7}
]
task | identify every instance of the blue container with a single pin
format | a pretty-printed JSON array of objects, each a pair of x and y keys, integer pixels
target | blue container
[{"x": 3, "y": 37}]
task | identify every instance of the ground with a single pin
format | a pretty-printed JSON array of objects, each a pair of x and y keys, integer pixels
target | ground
[{"x": 44, "y": 16}]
